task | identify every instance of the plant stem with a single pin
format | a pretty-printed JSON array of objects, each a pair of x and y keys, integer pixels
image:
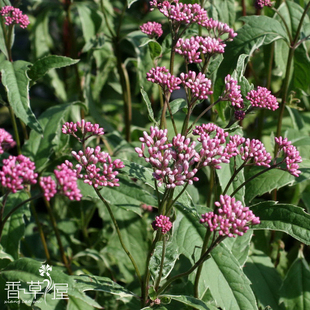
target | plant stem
[
  {"x": 202, "y": 259},
  {"x": 119, "y": 234},
  {"x": 199, "y": 270},
  {"x": 161, "y": 264},
  {"x": 233, "y": 176},
  {"x": 57, "y": 234},
  {"x": 15, "y": 129},
  {"x": 251, "y": 178}
]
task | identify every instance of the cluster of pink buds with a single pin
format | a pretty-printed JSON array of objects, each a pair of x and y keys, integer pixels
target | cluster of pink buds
[
  {"x": 218, "y": 28},
  {"x": 152, "y": 29},
  {"x": 49, "y": 187},
  {"x": 181, "y": 12},
  {"x": 191, "y": 48},
  {"x": 292, "y": 157},
  {"x": 262, "y": 98},
  {"x": 199, "y": 85},
  {"x": 162, "y": 77},
  {"x": 171, "y": 162},
  {"x": 6, "y": 141},
  {"x": 67, "y": 180},
  {"x": 213, "y": 140},
  {"x": 17, "y": 172},
  {"x": 255, "y": 150},
  {"x": 162, "y": 222},
  {"x": 99, "y": 168},
  {"x": 231, "y": 219},
  {"x": 233, "y": 93},
  {"x": 86, "y": 128},
  {"x": 239, "y": 115},
  {"x": 14, "y": 16},
  {"x": 259, "y": 4}
]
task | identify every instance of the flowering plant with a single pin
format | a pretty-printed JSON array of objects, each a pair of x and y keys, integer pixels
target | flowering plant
[{"x": 164, "y": 164}]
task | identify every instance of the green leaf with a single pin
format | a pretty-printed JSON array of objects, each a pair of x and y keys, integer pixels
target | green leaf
[
  {"x": 154, "y": 47},
  {"x": 257, "y": 31},
  {"x": 288, "y": 218},
  {"x": 16, "y": 82},
  {"x": 177, "y": 104},
  {"x": 265, "y": 279},
  {"x": 191, "y": 301},
  {"x": 295, "y": 291},
  {"x": 225, "y": 11},
  {"x": 148, "y": 106},
  {"x": 240, "y": 246},
  {"x": 89, "y": 17},
  {"x": 171, "y": 255},
  {"x": 43, "y": 65},
  {"x": 273, "y": 179},
  {"x": 14, "y": 228},
  {"x": 221, "y": 273},
  {"x": 40, "y": 148},
  {"x": 225, "y": 173}
]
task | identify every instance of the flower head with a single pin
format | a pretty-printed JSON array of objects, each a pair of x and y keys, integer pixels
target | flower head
[
  {"x": 152, "y": 29},
  {"x": 162, "y": 76},
  {"x": 67, "y": 180},
  {"x": 233, "y": 93},
  {"x": 291, "y": 155},
  {"x": 199, "y": 85},
  {"x": 262, "y": 98},
  {"x": 172, "y": 162},
  {"x": 17, "y": 172},
  {"x": 49, "y": 187},
  {"x": 14, "y": 16},
  {"x": 97, "y": 168},
  {"x": 231, "y": 219},
  {"x": 239, "y": 115},
  {"x": 162, "y": 222},
  {"x": 6, "y": 141},
  {"x": 259, "y": 4}
]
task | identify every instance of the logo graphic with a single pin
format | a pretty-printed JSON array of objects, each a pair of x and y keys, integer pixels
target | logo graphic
[{"x": 36, "y": 288}]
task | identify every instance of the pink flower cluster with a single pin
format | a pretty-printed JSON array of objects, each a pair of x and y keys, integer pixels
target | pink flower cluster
[
  {"x": 181, "y": 12},
  {"x": 17, "y": 172},
  {"x": 259, "y": 4},
  {"x": 233, "y": 93},
  {"x": 162, "y": 77},
  {"x": 199, "y": 85},
  {"x": 191, "y": 48},
  {"x": 162, "y": 222},
  {"x": 239, "y": 115},
  {"x": 292, "y": 157},
  {"x": 171, "y": 161},
  {"x": 6, "y": 141},
  {"x": 49, "y": 187},
  {"x": 231, "y": 219},
  {"x": 262, "y": 98},
  {"x": 152, "y": 29},
  {"x": 85, "y": 128},
  {"x": 103, "y": 175},
  {"x": 67, "y": 179},
  {"x": 14, "y": 16},
  {"x": 218, "y": 28},
  {"x": 213, "y": 140}
]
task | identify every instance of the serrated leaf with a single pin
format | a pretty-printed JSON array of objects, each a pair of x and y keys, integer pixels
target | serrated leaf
[
  {"x": 39, "y": 148},
  {"x": 14, "y": 228},
  {"x": 16, "y": 82},
  {"x": 221, "y": 273},
  {"x": 257, "y": 31},
  {"x": 288, "y": 218},
  {"x": 43, "y": 65},
  {"x": 295, "y": 291},
  {"x": 171, "y": 255},
  {"x": 191, "y": 301},
  {"x": 148, "y": 106},
  {"x": 265, "y": 279}
]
